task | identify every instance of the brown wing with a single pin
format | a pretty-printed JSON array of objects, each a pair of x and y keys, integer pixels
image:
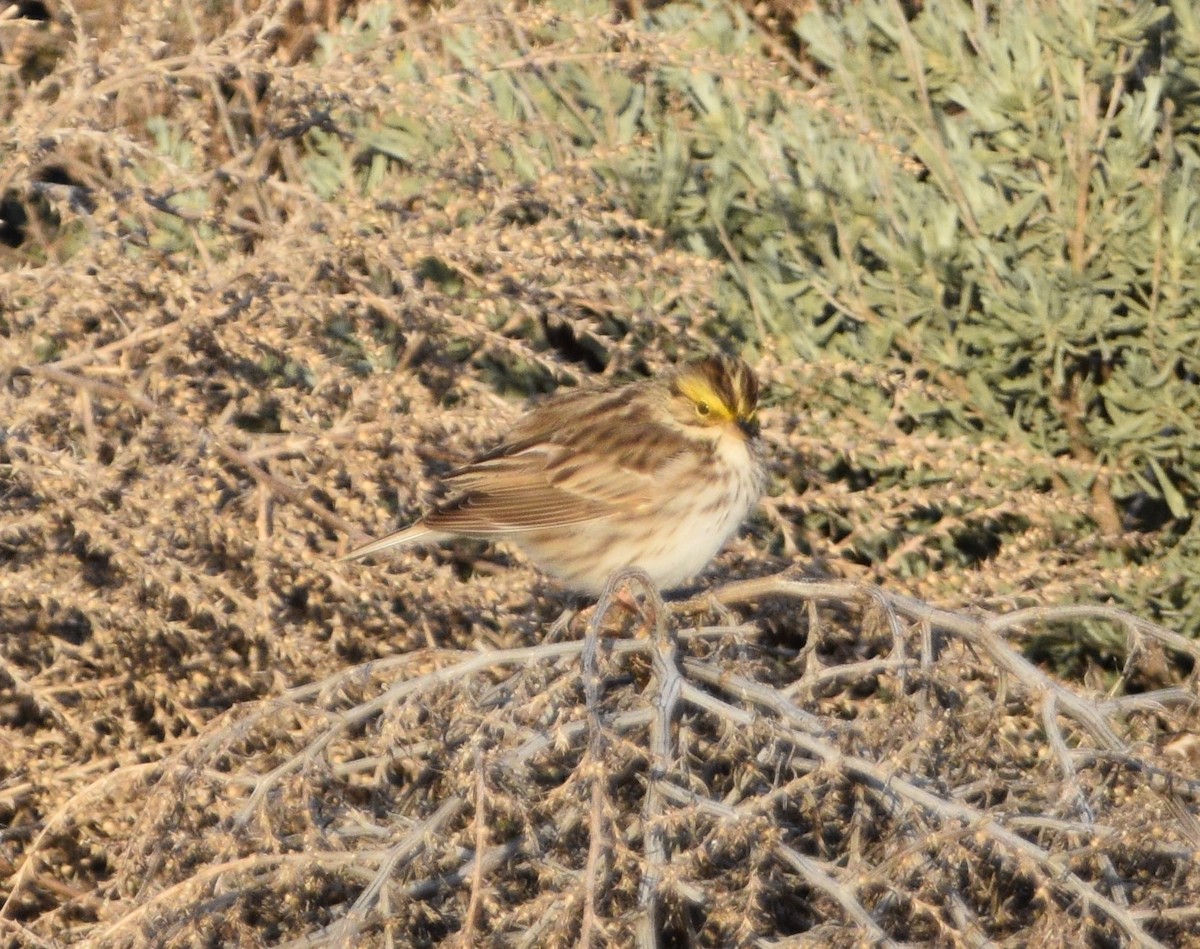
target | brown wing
[
  {"x": 559, "y": 468},
  {"x": 537, "y": 487}
]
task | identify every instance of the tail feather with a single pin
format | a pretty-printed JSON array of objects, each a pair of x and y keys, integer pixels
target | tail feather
[{"x": 401, "y": 538}]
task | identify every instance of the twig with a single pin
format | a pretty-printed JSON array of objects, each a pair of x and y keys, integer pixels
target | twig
[
  {"x": 811, "y": 870},
  {"x": 668, "y": 685},
  {"x": 278, "y": 486}
]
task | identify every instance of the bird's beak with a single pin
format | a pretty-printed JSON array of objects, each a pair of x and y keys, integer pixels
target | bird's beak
[{"x": 749, "y": 426}]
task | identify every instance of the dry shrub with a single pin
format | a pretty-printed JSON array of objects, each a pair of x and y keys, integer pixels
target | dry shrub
[
  {"x": 855, "y": 767},
  {"x": 255, "y": 303}
]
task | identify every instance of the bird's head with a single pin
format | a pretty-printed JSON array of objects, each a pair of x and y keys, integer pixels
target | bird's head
[{"x": 716, "y": 393}]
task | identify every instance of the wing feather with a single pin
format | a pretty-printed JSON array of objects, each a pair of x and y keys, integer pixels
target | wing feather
[
  {"x": 558, "y": 468},
  {"x": 539, "y": 486}
]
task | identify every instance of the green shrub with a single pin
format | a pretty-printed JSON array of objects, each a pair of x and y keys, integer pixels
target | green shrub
[{"x": 994, "y": 214}]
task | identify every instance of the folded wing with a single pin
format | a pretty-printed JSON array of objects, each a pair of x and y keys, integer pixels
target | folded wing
[{"x": 533, "y": 487}]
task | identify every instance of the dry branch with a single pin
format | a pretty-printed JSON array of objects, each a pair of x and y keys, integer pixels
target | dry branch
[{"x": 650, "y": 781}]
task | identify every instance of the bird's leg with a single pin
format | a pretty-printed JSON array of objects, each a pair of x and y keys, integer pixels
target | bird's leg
[
  {"x": 618, "y": 592},
  {"x": 560, "y": 625}
]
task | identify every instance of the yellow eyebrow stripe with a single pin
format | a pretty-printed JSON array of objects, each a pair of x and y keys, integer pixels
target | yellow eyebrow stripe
[{"x": 700, "y": 391}]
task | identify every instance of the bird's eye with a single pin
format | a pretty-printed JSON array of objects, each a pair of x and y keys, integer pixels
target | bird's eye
[{"x": 703, "y": 409}]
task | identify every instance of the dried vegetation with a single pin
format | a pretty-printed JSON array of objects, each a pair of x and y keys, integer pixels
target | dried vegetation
[{"x": 269, "y": 269}]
